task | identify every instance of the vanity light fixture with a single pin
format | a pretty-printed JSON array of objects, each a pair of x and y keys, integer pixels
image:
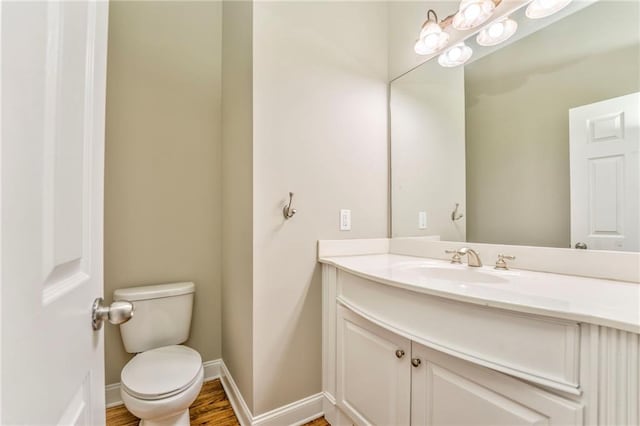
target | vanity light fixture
[
  {"x": 456, "y": 55},
  {"x": 542, "y": 8},
  {"x": 432, "y": 38},
  {"x": 497, "y": 32},
  {"x": 473, "y": 13}
]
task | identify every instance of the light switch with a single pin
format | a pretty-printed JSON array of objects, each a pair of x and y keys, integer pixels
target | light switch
[
  {"x": 345, "y": 220},
  {"x": 422, "y": 220}
]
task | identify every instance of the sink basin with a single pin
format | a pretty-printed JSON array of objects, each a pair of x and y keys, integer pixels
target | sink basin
[{"x": 460, "y": 275}]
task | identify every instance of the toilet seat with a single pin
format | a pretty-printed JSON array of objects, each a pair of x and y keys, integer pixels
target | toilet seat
[{"x": 161, "y": 373}]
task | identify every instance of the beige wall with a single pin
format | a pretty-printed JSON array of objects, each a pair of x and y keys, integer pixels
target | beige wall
[
  {"x": 320, "y": 117},
  {"x": 237, "y": 198},
  {"x": 163, "y": 159},
  {"x": 304, "y": 110},
  {"x": 518, "y": 102}
]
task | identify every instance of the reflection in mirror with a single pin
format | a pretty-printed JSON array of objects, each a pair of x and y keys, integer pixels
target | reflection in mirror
[{"x": 536, "y": 140}]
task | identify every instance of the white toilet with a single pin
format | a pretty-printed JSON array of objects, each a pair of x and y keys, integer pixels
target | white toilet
[{"x": 159, "y": 384}]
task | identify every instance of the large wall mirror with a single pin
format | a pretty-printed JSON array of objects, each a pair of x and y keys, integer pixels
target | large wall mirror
[{"x": 532, "y": 142}]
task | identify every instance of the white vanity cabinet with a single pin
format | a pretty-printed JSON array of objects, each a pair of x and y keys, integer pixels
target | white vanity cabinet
[
  {"x": 396, "y": 355},
  {"x": 385, "y": 379}
]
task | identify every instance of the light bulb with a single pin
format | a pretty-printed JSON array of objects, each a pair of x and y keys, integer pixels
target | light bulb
[
  {"x": 496, "y": 29},
  {"x": 497, "y": 32},
  {"x": 457, "y": 55},
  {"x": 429, "y": 27},
  {"x": 432, "y": 38},
  {"x": 472, "y": 13},
  {"x": 454, "y": 54},
  {"x": 420, "y": 48}
]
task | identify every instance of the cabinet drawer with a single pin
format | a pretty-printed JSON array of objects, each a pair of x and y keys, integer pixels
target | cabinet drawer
[{"x": 540, "y": 349}]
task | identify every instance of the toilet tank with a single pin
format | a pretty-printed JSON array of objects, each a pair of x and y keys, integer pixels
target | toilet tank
[{"x": 161, "y": 317}]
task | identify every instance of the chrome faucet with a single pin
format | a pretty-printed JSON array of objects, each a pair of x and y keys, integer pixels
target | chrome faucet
[{"x": 472, "y": 256}]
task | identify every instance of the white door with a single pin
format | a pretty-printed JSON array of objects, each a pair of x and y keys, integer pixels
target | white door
[
  {"x": 373, "y": 372},
  {"x": 605, "y": 179},
  {"x": 449, "y": 391},
  {"x": 52, "y": 86}
]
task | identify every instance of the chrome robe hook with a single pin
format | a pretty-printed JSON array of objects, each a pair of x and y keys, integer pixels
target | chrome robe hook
[
  {"x": 455, "y": 215},
  {"x": 287, "y": 211}
]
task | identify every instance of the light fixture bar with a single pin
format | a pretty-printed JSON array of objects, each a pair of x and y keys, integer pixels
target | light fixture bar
[
  {"x": 434, "y": 36},
  {"x": 477, "y": 18}
]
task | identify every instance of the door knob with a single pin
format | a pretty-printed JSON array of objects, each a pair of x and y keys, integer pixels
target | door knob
[
  {"x": 416, "y": 362},
  {"x": 119, "y": 312},
  {"x": 581, "y": 246},
  {"x": 399, "y": 353}
]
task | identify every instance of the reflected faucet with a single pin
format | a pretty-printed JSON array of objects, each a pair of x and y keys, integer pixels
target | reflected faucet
[{"x": 472, "y": 256}]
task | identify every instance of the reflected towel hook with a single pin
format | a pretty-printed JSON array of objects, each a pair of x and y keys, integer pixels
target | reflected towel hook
[
  {"x": 287, "y": 211},
  {"x": 455, "y": 215}
]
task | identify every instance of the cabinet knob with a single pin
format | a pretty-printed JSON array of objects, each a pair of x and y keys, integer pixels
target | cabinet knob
[
  {"x": 399, "y": 353},
  {"x": 416, "y": 362}
]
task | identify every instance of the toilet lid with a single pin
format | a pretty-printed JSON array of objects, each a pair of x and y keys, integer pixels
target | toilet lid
[{"x": 162, "y": 372}]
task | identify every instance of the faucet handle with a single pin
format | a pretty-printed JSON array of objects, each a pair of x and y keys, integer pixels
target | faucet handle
[
  {"x": 456, "y": 256},
  {"x": 501, "y": 263}
]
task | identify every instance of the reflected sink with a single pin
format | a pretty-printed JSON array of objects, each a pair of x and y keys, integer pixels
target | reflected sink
[{"x": 461, "y": 275}]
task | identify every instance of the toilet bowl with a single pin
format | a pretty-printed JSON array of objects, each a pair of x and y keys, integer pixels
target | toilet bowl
[
  {"x": 164, "y": 377},
  {"x": 159, "y": 385}
]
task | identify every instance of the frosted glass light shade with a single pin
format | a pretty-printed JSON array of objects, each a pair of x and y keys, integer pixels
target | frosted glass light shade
[
  {"x": 456, "y": 55},
  {"x": 542, "y": 8},
  {"x": 420, "y": 48},
  {"x": 472, "y": 13},
  {"x": 497, "y": 32},
  {"x": 432, "y": 39}
]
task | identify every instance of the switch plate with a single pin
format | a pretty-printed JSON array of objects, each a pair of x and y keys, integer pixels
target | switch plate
[
  {"x": 345, "y": 220},
  {"x": 422, "y": 220}
]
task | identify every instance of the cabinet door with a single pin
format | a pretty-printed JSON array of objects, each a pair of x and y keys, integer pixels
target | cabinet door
[
  {"x": 373, "y": 381},
  {"x": 450, "y": 391}
]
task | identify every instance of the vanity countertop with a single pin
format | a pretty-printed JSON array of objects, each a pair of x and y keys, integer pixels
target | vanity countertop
[{"x": 597, "y": 301}]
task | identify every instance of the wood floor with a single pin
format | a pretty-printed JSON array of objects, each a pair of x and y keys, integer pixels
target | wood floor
[{"x": 211, "y": 408}]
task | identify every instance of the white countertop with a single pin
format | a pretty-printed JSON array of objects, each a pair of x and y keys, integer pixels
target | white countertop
[{"x": 591, "y": 300}]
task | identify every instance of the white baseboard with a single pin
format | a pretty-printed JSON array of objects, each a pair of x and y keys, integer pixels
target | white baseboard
[
  {"x": 112, "y": 392},
  {"x": 235, "y": 397},
  {"x": 294, "y": 414},
  {"x": 212, "y": 369},
  {"x": 112, "y": 395}
]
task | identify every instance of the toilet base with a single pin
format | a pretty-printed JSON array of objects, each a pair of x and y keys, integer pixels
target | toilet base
[{"x": 180, "y": 419}]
